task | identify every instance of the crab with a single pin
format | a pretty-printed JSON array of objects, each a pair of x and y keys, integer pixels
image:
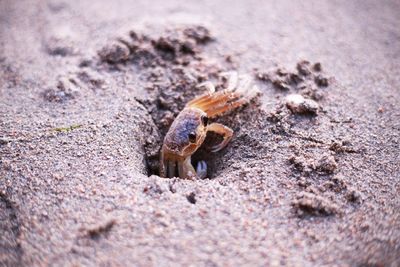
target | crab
[{"x": 189, "y": 129}]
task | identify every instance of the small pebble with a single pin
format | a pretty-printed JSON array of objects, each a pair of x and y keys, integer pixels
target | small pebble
[{"x": 298, "y": 104}]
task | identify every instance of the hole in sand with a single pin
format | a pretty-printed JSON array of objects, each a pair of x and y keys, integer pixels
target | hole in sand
[{"x": 171, "y": 64}]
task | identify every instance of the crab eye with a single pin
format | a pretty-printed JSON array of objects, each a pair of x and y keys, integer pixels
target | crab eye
[
  {"x": 192, "y": 137},
  {"x": 204, "y": 120}
]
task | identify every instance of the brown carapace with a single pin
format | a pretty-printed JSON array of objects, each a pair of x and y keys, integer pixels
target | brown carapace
[{"x": 189, "y": 129}]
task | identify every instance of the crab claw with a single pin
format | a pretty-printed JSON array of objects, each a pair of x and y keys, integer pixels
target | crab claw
[{"x": 201, "y": 169}]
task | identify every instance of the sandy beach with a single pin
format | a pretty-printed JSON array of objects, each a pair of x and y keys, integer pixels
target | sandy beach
[{"x": 88, "y": 90}]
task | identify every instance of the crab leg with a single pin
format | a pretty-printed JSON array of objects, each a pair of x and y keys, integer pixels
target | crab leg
[
  {"x": 208, "y": 85},
  {"x": 198, "y": 100},
  {"x": 205, "y": 99},
  {"x": 217, "y": 101},
  {"x": 186, "y": 169},
  {"x": 171, "y": 168},
  {"x": 222, "y": 130},
  {"x": 162, "y": 166},
  {"x": 233, "y": 79},
  {"x": 221, "y": 109}
]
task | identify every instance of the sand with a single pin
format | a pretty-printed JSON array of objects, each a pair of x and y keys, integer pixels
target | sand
[{"x": 88, "y": 90}]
